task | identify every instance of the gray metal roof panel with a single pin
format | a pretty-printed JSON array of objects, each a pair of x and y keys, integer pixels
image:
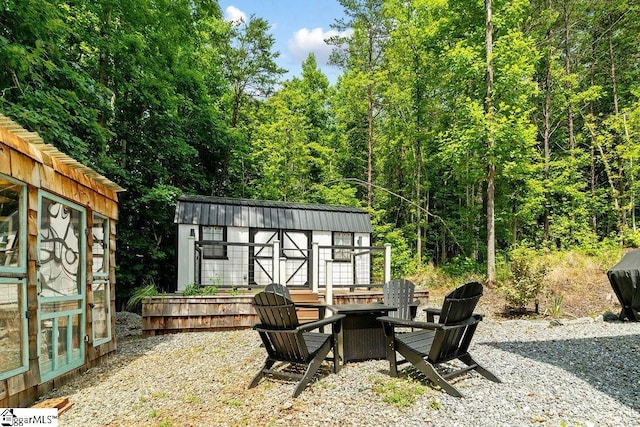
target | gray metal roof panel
[{"x": 270, "y": 214}]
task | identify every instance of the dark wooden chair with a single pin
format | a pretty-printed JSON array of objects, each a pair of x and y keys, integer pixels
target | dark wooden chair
[
  {"x": 431, "y": 344},
  {"x": 399, "y": 293},
  {"x": 278, "y": 289},
  {"x": 288, "y": 341}
]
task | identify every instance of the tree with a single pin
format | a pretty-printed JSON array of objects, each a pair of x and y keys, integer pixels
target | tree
[
  {"x": 249, "y": 63},
  {"x": 293, "y": 155},
  {"x": 491, "y": 166},
  {"x": 44, "y": 80},
  {"x": 362, "y": 59},
  {"x": 250, "y": 68}
]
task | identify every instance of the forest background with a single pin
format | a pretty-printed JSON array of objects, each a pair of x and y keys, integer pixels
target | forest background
[{"x": 476, "y": 132}]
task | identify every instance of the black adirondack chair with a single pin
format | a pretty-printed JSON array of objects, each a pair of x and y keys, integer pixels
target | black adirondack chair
[
  {"x": 288, "y": 341},
  {"x": 432, "y": 344},
  {"x": 399, "y": 293}
]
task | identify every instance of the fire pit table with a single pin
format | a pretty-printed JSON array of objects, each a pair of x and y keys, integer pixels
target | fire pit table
[{"x": 361, "y": 336}]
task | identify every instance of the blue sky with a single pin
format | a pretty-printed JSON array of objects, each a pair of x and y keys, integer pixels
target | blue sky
[{"x": 299, "y": 27}]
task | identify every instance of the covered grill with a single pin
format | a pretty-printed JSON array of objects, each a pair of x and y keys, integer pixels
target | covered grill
[{"x": 625, "y": 281}]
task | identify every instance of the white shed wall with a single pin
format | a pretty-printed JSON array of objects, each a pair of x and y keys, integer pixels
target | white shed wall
[
  {"x": 343, "y": 272},
  {"x": 233, "y": 271}
]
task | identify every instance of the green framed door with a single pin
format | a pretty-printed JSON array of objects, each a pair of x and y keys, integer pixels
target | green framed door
[{"x": 61, "y": 289}]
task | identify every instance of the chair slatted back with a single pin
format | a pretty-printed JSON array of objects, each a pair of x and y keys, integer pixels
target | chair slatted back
[
  {"x": 277, "y": 288},
  {"x": 458, "y": 307},
  {"x": 278, "y": 313},
  {"x": 399, "y": 293}
]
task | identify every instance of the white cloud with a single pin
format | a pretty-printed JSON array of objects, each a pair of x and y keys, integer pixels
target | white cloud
[
  {"x": 235, "y": 15},
  {"x": 305, "y": 41}
]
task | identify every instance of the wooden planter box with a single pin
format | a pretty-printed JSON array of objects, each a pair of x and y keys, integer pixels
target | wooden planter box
[
  {"x": 175, "y": 313},
  {"x": 169, "y": 314}
]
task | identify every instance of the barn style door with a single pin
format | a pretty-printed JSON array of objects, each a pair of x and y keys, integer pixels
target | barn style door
[{"x": 295, "y": 247}]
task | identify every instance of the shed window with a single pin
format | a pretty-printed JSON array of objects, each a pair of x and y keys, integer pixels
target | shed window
[
  {"x": 342, "y": 239},
  {"x": 12, "y": 216},
  {"x": 100, "y": 247},
  {"x": 210, "y": 234}
]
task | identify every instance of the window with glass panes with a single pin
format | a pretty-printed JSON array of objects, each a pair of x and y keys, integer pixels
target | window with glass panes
[
  {"x": 213, "y": 234},
  {"x": 342, "y": 239}
]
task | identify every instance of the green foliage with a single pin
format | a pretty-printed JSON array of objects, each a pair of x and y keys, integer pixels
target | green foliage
[
  {"x": 141, "y": 293},
  {"x": 209, "y": 290},
  {"x": 399, "y": 392},
  {"x": 193, "y": 289},
  {"x": 461, "y": 266},
  {"x": 555, "y": 309},
  {"x": 401, "y": 254},
  {"x": 631, "y": 238},
  {"x": 527, "y": 277}
]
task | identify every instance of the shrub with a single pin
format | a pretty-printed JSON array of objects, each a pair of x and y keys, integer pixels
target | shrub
[
  {"x": 140, "y": 293},
  {"x": 526, "y": 281},
  {"x": 193, "y": 289},
  {"x": 460, "y": 266}
]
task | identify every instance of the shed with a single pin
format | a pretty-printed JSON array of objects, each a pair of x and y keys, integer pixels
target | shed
[
  {"x": 230, "y": 242},
  {"x": 57, "y": 266}
]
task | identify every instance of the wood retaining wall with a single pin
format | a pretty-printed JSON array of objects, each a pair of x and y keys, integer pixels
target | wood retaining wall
[{"x": 175, "y": 313}]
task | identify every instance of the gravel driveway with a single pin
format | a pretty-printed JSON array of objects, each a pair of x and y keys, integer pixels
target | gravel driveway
[{"x": 583, "y": 372}]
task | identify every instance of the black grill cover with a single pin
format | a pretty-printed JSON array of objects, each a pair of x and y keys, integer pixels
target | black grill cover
[{"x": 625, "y": 281}]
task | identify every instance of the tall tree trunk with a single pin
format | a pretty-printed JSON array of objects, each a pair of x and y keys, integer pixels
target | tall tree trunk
[
  {"x": 370, "y": 117},
  {"x": 632, "y": 199},
  {"x": 546, "y": 114},
  {"x": 419, "y": 202},
  {"x": 622, "y": 213},
  {"x": 491, "y": 167},
  {"x": 592, "y": 67},
  {"x": 370, "y": 145},
  {"x": 567, "y": 69},
  {"x": 237, "y": 94}
]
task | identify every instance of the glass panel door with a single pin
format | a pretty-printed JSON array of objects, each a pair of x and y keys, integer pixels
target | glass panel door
[{"x": 61, "y": 279}]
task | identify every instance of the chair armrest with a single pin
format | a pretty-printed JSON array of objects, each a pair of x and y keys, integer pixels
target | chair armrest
[
  {"x": 319, "y": 323},
  {"x": 431, "y": 313},
  {"x": 394, "y": 321},
  {"x": 413, "y": 308}
]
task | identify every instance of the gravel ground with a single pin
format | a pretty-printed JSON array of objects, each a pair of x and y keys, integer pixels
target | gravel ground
[{"x": 583, "y": 372}]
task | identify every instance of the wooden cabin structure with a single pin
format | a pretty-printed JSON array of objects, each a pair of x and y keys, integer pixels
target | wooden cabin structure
[{"x": 57, "y": 266}]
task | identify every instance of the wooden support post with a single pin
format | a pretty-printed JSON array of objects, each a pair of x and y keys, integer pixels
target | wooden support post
[
  {"x": 387, "y": 262},
  {"x": 283, "y": 271},
  {"x": 315, "y": 267},
  {"x": 328, "y": 281},
  {"x": 191, "y": 265},
  {"x": 275, "y": 261}
]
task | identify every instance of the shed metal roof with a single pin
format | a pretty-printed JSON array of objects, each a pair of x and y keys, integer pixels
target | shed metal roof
[{"x": 228, "y": 212}]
